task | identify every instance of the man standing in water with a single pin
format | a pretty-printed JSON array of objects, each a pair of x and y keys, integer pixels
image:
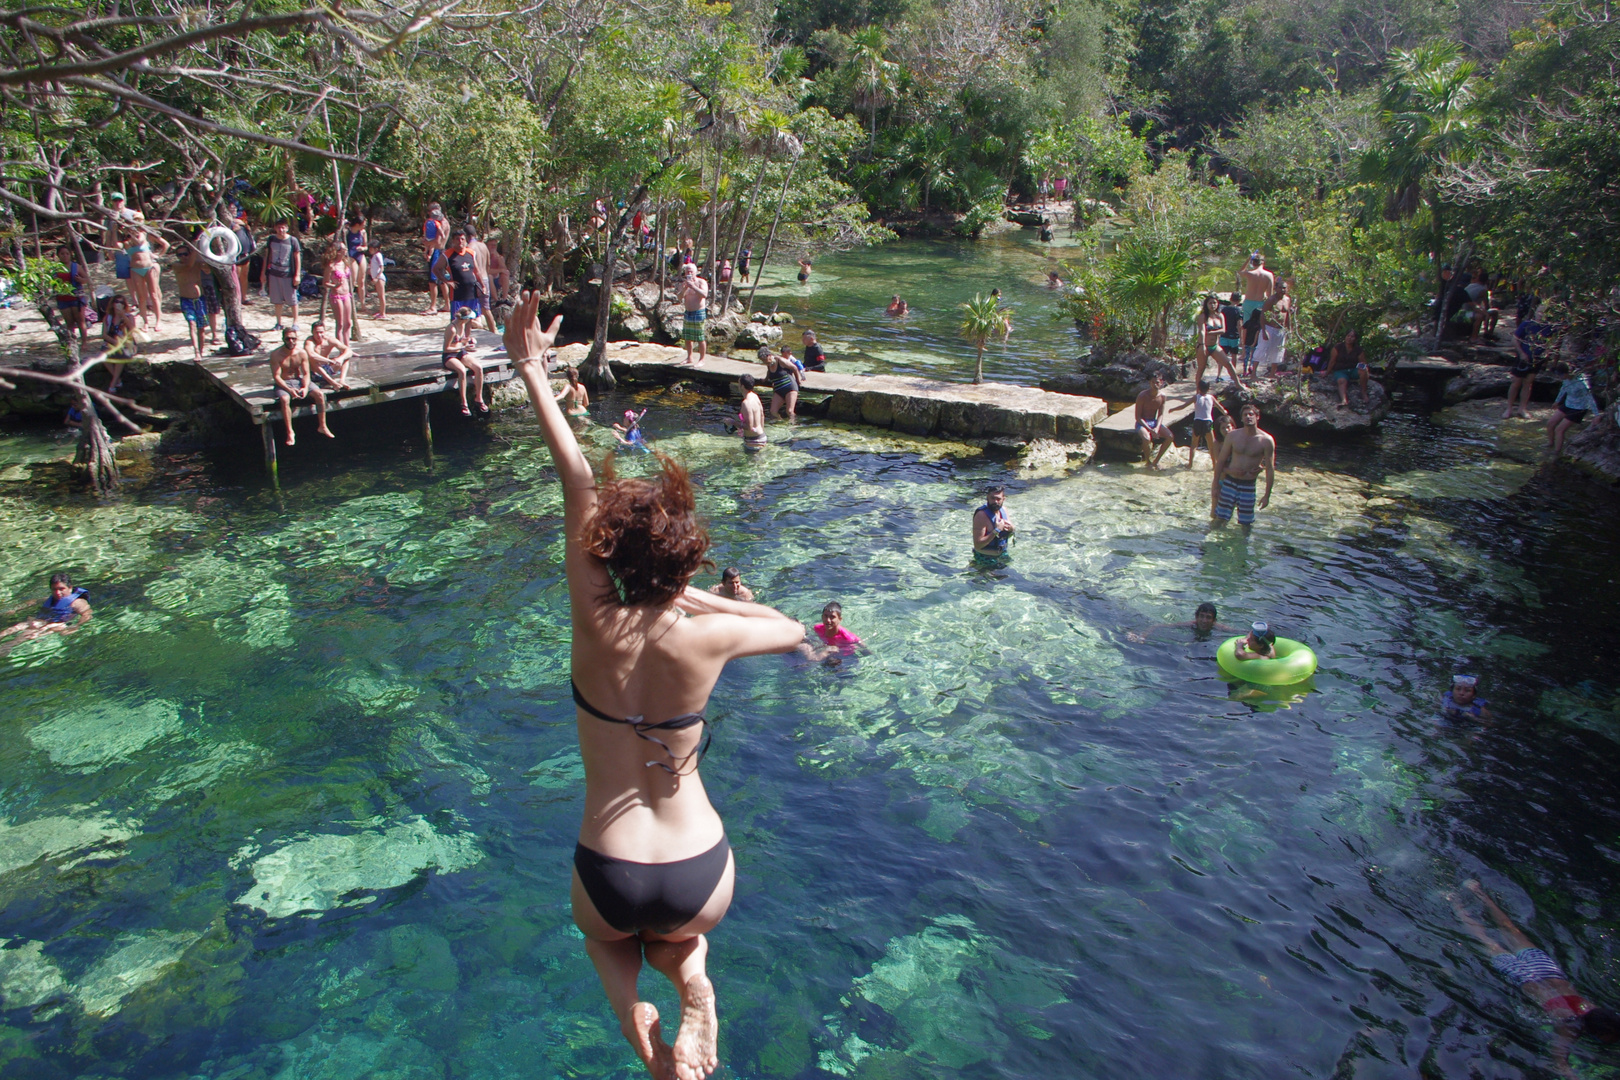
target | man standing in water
[
  {"x": 1242, "y": 455},
  {"x": 751, "y": 417},
  {"x": 695, "y": 297},
  {"x": 992, "y": 528},
  {"x": 653, "y": 870},
  {"x": 1150, "y": 425}
]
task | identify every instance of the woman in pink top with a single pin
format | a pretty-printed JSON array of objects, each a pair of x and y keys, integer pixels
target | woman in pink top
[{"x": 338, "y": 290}]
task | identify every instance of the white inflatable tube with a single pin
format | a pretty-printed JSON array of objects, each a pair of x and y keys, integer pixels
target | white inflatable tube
[{"x": 228, "y": 242}]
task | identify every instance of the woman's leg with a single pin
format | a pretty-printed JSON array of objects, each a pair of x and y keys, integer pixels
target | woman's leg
[
  {"x": 461, "y": 382},
  {"x": 1564, "y": 424},
  {"x": 345, "y": 318},
  {"x": 1524, "y": 397},
  {"x": 617, "y": 958},
  {"x": 681, "y": 958},
  {"x": 1513, "y": 390},
  {"x": 116, "y": 371},
  {"x": 792, "y": 404},
  {"x": 776, "y": 403},
  {"x": 155, "y": 296}
]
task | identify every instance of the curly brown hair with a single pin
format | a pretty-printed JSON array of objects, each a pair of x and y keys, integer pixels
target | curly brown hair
[{"x": 647, "y": 532}]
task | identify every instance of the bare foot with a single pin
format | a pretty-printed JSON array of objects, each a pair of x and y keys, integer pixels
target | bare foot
[
  {"x": 697, "y": 1044},
  {"x": 647, "y": 1037},
  {"x": 325, "y": 432},
  {"x": 289, "y": 438}
]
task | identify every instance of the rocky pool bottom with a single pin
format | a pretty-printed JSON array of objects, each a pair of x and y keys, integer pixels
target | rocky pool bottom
[{"x": 299, "y": 803}]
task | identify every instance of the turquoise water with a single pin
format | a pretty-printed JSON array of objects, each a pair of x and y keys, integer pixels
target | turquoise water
[
  {"x": 300, "y": 803},
  {"x": 845, "y": 299}
]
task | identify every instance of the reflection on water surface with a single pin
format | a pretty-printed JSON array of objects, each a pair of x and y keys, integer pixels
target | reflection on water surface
[{"x": 300, "y": 803}]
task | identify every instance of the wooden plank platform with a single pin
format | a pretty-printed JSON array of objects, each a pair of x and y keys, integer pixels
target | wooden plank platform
[
  {"x": 916, "y": 406},
  {"x": 1118, "y": 432},
  {"x": 381, "y": 371}
]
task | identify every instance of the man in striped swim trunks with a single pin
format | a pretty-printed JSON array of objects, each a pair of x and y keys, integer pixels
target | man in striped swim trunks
[
  {"x": 1242, "y": 455},
  {"x": 695, "y": 296}
]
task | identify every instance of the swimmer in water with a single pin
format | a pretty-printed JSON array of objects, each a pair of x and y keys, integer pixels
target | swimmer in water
[
  {"x": 1260, "y": 644},
  {"x": 1462, "y": 701},
  {"x": 751, "y": 417},
  {"x": 629, "y": 434},
  {"x": 731, "y": 586},
  {"x": 897, "y": 307},
  {"x": 836, "y": 642},
  {"x": 62, "y": 612},
  {"x": 1539, "y": 978},
  {"x": 1202, "y": 625},
  {"x": 573, "y": 398},
  {"x": 804, "y": 270}
]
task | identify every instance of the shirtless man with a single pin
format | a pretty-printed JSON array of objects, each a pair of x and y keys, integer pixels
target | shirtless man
[
  {"x": 731, "y": 586},
  {"x": 751, "y": 417},
  {"x": 695, "y": 297},
  {"x": 289, "y": 367},
  {"x": 481, "y": 257},
  {"x": 992, "y": 528},
  {"x": 1242, "y": 455},
  {"x": 1204, "y": 622},
  {"x": 62, "y": 612},
  {"x": 1257, "y": 284},
  {"x": 1150, "y": 425},
  {"x": 328, "y": 356},
  {"x": 188, "y": 274},
  {"x": 435, "y": 232}
]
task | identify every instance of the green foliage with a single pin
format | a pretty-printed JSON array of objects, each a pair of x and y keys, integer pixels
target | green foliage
[
  {"x": 983, "y": 318},
  {"x": 1124, "y": 299},
  {"x": 1307, "y": 147}
]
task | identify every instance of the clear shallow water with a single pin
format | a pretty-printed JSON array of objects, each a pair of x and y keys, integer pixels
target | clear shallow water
[
  {"x": 845, "y": 299},
  {"x": 300, "y": 803}
]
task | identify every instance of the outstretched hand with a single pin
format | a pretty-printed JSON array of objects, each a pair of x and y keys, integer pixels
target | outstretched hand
[{"x": 524, "y": 340}]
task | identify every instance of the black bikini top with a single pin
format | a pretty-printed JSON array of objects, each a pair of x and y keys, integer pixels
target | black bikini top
[{"x": 641, "y": 726}]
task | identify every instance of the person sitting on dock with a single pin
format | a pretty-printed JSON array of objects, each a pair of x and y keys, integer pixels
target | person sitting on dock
[
  {"x": 1346, "y": 359},
  {"x": 992, "y": 528},
  {"x": 1539, "y": 978},
  {"x": 289, "y": 368},
  {"x": 897, "y": 307},
  {"x": 574, "y": 398},
  {"x": 1242, "y": 455},
  {"x": 1259, "y": 644},
  {"x": 731, "y": 586},
  {"x": 695, "y": 299},
  {"x": 456, "y": 357},
  {"x": 329, "y": 358},
  {"x": 1205, "y": 406},
  {"x": 751, "y": 416},
  {"x": 1462, "y": 701},
  {"x": 1204, "y": 622},
  {"x": 815, "y": 357},
  {"x": 1150, "y": 425},
  {"x": 62, "y": 612}
]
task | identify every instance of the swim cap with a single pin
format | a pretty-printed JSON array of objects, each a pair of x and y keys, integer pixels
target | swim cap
[{"x": 1464, "y": 680}]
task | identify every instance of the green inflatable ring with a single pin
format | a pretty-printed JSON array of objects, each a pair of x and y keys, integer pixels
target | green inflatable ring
[{"x": 1295, "y": 663}]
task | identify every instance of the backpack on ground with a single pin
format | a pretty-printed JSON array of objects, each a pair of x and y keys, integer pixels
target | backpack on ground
[{"x": 238, "y": 342}]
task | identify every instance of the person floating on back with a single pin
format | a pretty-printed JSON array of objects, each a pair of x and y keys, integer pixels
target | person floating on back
[
  {"x": 1539, "y": 978},
  {"x": 62, "y": 612}
]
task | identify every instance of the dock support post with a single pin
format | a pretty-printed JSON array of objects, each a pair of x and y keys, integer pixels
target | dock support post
[
  {"x": 268, "y": 430},
  {"x": 427, "y": 427}
]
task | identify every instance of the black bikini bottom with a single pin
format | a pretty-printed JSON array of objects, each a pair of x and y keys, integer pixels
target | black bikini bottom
[{"x": 660, "y": 897}]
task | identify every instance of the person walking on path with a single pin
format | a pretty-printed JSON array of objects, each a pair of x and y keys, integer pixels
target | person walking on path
[
  {"x": 695, "y": 299},
  {"x": 1238, "y": 462},
  {"x": 653, "y": 870},
  {"x": 1539, "y": 978}
]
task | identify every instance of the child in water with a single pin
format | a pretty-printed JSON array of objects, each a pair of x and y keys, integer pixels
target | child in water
[
  {"x": 1462, "y": 702},
  {"x": 629, "y": 434},
  {"x": 1261, "y": 644},
  {"x": 837, "y": 642}
]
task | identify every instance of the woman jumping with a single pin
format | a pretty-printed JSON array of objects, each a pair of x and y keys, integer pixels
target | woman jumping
[{"x": 653, "y": 871}]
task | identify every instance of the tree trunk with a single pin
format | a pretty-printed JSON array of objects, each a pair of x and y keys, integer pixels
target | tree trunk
[
  {"x": 1440, "y": 279},
  {"x": 771, "y": 236},
  {"x": 597, "y": 372},
  {"x": 95, "y": 454},
  {"x": 978, "y": 364},
  {"x": 714, "y": 216},
  {"x": 742, "y": 233}
]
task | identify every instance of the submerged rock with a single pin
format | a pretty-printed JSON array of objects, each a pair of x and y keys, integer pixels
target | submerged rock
[
  {"x": 317, "y": 874},
  {"x": 52, "y": 837},
  {"x": 142, "y": 959},
  {"x": 105, "y": 732},
  {"x": 28, "y": 978}
]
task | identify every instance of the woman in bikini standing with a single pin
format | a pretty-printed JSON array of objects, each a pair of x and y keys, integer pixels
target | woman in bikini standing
[
  {"x": 144, "y": 271},
  {"x": 338, "y": 291},
  {"x": 653, "y": 871},
  {"x": 1208, "y": 330}
]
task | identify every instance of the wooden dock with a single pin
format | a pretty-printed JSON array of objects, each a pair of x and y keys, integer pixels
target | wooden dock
[
  {"x": 915, "y": 406},
  {"x": 380, "y": 371},
  {"x": 1118, "y": 432}
]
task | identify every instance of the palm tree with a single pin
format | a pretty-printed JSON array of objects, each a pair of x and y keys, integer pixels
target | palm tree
[
  {"x": 982, "y": 319},
  {"x": 875, "y": 73},
  {"x": 1428, "y": 118}
]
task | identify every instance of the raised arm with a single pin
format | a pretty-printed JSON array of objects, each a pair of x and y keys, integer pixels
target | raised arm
[
  {"x": 735, "y": 628},
  {"x": 526, "y": 344}
]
